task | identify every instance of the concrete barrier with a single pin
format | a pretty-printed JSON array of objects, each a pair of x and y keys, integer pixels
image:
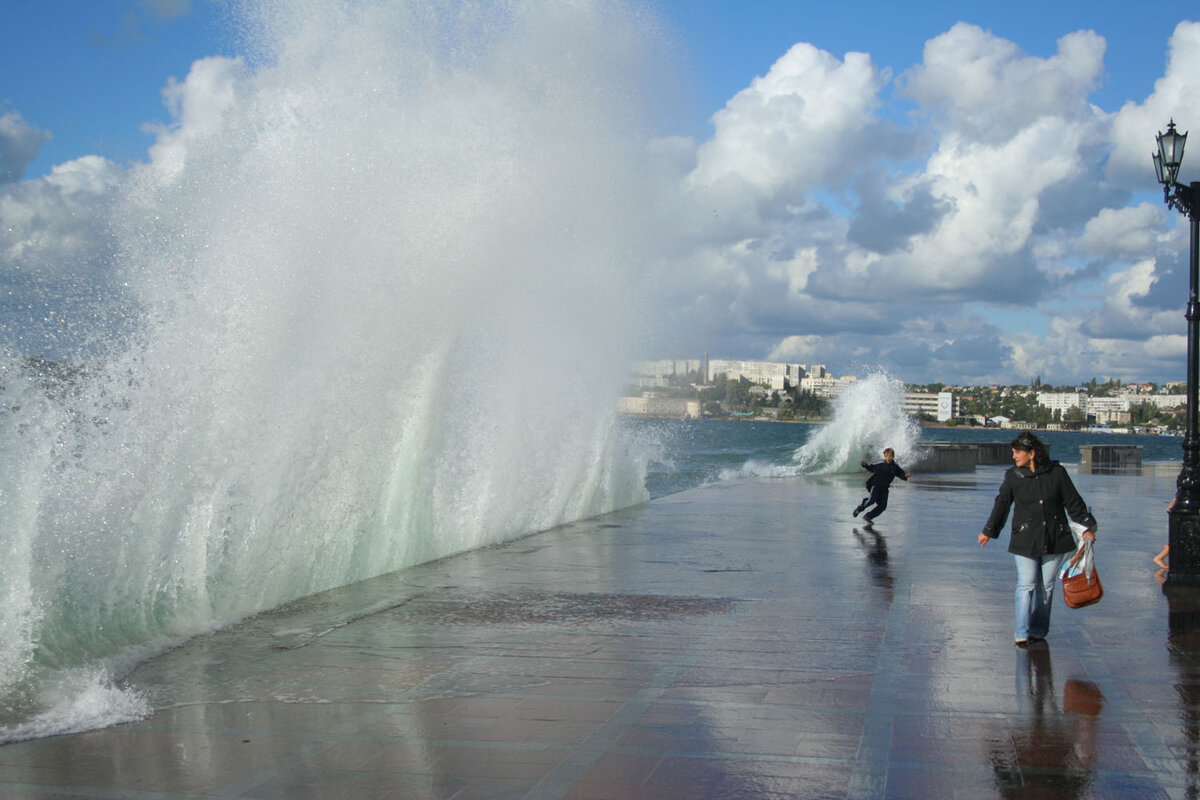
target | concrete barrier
[
  {"x": 1110, "y": 459},
  {"x": 947, "y": 457},
  {"x": 1096, "y": 459},
  {"x": 994, "y": 453}
]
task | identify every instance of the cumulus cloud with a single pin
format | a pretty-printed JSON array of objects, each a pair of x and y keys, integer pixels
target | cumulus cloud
[
  {"x": 59, "y": 294},
  {"x": 835, "y": 215},
  {"x": 1176, "y": 96},
  {"x": 993, "y": 195},
  {"x": 19, "y": 144},
  {"x": 198, "y": 106},
  {"x": 888, "y": 219},
  {"x": 1116, "y": 233},
  {"x": 1123, "y": 314},
  {"x": 1070, "y": 354},
  {"x": 56, "y": 256},
  {"x": 1006, "y": 188},
  {"x": 791, "y": 129},
  {"x": 55, "y": 222},
  {"x": 990, "y": 91},
  {"x": 58, "y": 251}
]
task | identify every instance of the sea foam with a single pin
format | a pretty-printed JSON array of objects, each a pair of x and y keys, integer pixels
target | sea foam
[
  {"x": 868, "y": 416},
  {"x": 376, "y": 290}
]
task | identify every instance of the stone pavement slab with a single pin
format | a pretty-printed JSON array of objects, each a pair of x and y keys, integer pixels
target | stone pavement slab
[{"x": 747, "y": 639}]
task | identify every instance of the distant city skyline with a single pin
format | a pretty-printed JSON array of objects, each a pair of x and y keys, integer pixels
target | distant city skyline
[{"x": 698, "y": 364}]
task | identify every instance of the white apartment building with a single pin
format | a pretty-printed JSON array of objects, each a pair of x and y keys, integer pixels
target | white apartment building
[
  {"x": 827, "y": 387},
  {"x": 777, "y": 375},
  {"x": 767, "y": 373},
  {"x": 1063, "y": 401},
  {"x": 1107, "y": 410},
  {"x": 1104, "y": 410},
  {"x": 1162, "y": 401},
  {"x": 942, "y": 406}
]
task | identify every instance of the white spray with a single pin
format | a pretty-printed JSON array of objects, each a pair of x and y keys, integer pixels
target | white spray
[
  {"x": 378, "y": 276},
  {"x": 867, "y": 417}
]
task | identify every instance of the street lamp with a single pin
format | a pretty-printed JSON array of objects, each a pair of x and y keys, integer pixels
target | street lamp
[{"x": 1184, "y": 516}]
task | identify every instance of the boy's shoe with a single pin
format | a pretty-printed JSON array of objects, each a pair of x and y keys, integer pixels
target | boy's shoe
[{"x": 856, "y": 512}]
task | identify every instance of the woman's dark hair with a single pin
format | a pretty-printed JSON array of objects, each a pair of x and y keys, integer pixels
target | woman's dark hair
[{"x": 1027, "y": 441}]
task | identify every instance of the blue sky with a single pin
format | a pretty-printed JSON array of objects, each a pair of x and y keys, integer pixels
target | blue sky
[
  {"x": 923, "y": 256},
  {"x": 731, "y": 41},
  {"x": 92, "y": 72}
]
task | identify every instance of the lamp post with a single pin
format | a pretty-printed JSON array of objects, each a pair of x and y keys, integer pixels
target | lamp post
[{"x": 1184, "y": 516}]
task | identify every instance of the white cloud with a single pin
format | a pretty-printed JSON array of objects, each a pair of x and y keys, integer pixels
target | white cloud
[
  {"x": 801, "y": 349},
  {"x": 994, "y": 193},
  {"x": 56, "y": 259},
  {"x": 198, "y": 108},
  {"x": 1124, "y": 232},
  {"x": 796, "y": 270},
  {"x": 825, "y": 221},
  {"x": 1066, "y": 353},
  {"x": 990, "y": 91},
  {"x": 1123, "y": 314},
  {"x": 1176, "y": 96},
  {"x": 55, "y": 223},
  {"x": 19, "y": 144},
  {"x": 792, "y": 128},
  {"x": 1015, "y": 203}
]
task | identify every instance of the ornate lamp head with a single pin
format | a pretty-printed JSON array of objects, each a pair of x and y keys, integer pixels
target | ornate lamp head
[{"x": 1169, "y": 155}]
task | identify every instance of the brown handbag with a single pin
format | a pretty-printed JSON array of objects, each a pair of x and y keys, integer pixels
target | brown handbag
[{"x": 1080, "y": 580}]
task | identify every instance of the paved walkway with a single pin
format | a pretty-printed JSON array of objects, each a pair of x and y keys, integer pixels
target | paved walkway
[{"x": 744, "y": 640}]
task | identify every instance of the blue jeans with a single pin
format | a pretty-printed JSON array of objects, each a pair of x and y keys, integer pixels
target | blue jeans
[{"x": 1035, "y": 592}]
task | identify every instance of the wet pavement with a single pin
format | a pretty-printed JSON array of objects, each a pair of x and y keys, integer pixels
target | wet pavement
[{"x": 744, "y": 640}]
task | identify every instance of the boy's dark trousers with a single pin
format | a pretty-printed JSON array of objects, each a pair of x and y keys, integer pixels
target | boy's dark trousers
[{"x": 879, "y": 497}]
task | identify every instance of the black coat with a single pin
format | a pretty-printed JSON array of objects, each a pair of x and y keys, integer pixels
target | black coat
[
  {"x": 882, "y": 474},
  {"x": 1043, "y": 501}
]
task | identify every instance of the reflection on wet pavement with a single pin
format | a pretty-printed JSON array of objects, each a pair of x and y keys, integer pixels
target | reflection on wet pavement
[
  {"x": 1050, "y": 749},
  {"x": 748, "y": 640}
]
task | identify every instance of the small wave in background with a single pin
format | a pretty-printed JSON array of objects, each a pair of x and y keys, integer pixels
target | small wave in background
[{"x": 867, "y": 417}]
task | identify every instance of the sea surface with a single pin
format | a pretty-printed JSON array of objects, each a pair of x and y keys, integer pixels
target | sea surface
[{"x": 698, "y": 452}]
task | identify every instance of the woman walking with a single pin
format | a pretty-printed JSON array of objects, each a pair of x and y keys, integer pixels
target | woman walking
[{"x": 1044, "y": 497}]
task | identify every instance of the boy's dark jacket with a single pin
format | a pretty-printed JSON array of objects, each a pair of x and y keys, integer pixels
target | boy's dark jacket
[
  {"x": 883, "y": 473},
  {"x": 1039, "y": 526}
]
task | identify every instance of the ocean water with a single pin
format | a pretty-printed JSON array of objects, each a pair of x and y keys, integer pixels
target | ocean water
[
  {"x": 690, "y": 453},
  {"x": 375, "y": 288}
]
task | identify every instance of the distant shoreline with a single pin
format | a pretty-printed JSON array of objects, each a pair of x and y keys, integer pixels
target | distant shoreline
[
  {"x": 922, "y": 423},
  {"x": 1109, "y": 431}
]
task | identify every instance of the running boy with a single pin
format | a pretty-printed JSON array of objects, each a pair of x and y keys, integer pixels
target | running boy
[{"x": 882, "y": 475}]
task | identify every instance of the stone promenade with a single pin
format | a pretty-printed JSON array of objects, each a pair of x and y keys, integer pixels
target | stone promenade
[{"x": 743, "y": 640}]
